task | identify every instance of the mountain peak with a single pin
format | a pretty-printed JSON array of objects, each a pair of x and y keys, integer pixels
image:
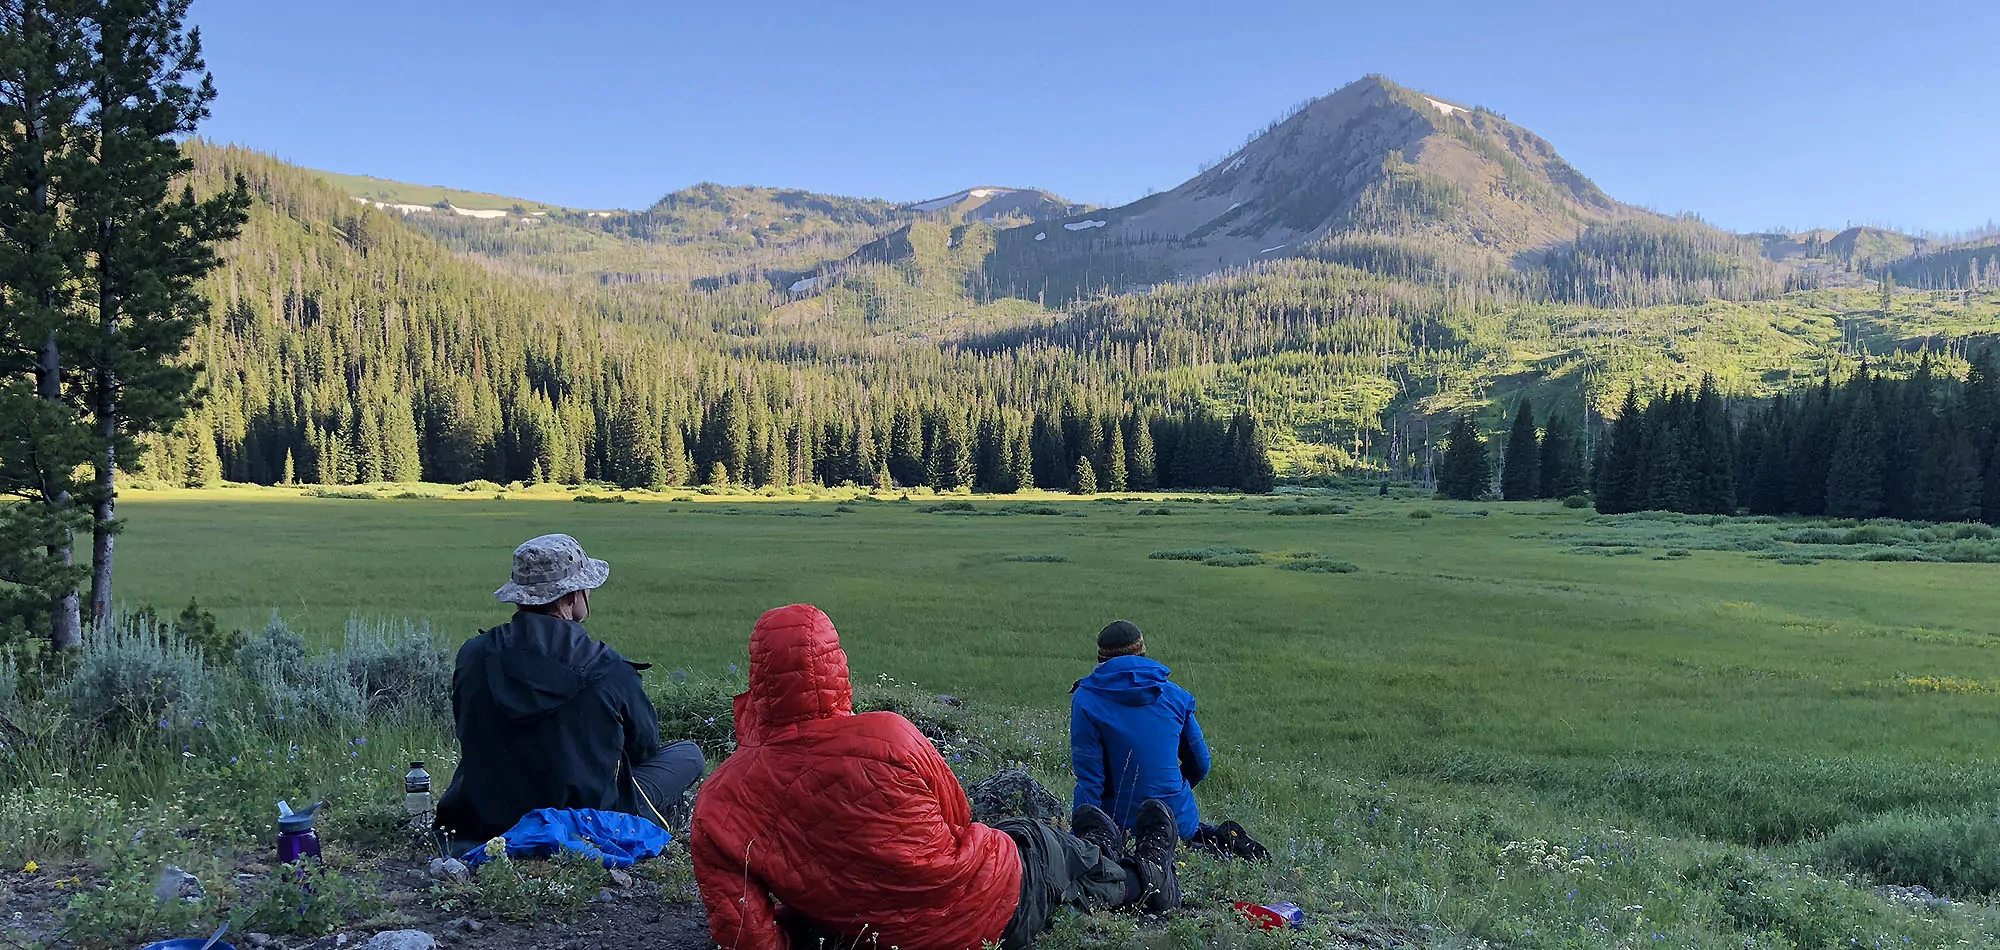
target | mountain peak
[{"x": 1372, "y": 158}]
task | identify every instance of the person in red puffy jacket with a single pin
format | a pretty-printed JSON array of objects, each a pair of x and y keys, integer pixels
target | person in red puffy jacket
[{"x": 851, "y": 828}]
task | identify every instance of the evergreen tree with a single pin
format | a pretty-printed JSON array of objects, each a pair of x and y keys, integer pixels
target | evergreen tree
[
  {"x": 1115, "y": 474},
  {"x": 1854, "y": 473},
  {"x": 290, "y": 477},
  {"x": 44, "y": 72},
  {"x": 954, "y": 456},
  {"x": 1255, "y": 473},
  {"x": 1466, "y": 471},
  {"x": 1140, "y": 461},
  {"x": 149, "y": 247},
  {"x": 675, "y": 466},
  {"x": 1713, "y": 470},
  {"x": 402, "y": 455},
  {"x": 906, "y": 446},
  {"x": 1562, "y": 464},
  {"x": 1021, "y": 462},
  {"x": 1619, "y": 488},
  {"x": 1084, "y": 481},
  {"x": 1948, "y": 486},
  {"x": 1989, "y": 505},
  {"x": 1521, "y": 471}
]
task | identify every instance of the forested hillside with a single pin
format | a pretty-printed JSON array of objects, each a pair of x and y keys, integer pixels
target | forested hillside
[{"x": 768, "y": 336}]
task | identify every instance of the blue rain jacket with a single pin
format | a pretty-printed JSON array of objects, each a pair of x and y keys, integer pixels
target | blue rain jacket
[
  {"x": 1133, "y": 736},
  {"x": 615, "y": 838}
]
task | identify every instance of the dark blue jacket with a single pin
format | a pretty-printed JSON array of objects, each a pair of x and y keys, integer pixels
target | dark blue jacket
[{"x": 1133, "y": 736}]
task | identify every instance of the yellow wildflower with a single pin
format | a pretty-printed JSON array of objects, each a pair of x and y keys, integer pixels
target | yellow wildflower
[
  {"x": 496, "y": 847},
  {"x": 30, "y": 867}
]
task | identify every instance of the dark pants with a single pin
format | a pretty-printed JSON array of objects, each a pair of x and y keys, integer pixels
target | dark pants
[
  {"x": 1060, "y": 870},
  {"x": 663, "y": 781}
]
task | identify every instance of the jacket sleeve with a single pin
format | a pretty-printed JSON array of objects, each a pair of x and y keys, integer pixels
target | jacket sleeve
[
  {"x": 1195, "y": 760},
  {"x": 1086, "y": 758},
  {"x": 953, "y": 807},
  {"x": 740, "y": 913},
  {"x": 642, "y": 723}
]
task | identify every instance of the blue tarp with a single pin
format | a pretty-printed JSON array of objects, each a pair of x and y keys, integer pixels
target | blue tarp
[{"x": 615, "y": 838}]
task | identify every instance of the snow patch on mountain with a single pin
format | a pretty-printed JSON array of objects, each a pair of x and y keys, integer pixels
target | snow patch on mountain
[
  {"x": 1084, "y": 225},
  {"x": 805, "y": 284},
  {"x": 1270, "y": 249},
  {"x": 1041, "y": 235},
  {"x": 1445, "y": 107}
]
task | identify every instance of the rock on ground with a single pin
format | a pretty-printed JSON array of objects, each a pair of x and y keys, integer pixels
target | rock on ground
[{"x": 402, "y": 940}]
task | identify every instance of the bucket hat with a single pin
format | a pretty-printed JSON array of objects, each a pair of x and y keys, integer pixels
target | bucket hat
[{"x": 548, "y": 567}]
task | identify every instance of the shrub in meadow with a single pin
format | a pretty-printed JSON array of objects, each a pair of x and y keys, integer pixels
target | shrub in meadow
[
  {"x": 1319, "y": 565},
  {"x": 1949, "y": 854},
  {"x": 136, "y": 674},
  {"x": 1200, "y": 554}
]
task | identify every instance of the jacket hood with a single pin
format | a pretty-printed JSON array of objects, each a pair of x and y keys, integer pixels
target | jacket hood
[
  {"x": 798, "y": 673},
  {"x": 1128, "y": 680},
  {"x": 539, "y": 663}
]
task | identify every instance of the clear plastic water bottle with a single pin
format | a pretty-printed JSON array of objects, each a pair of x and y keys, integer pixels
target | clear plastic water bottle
[{"x": 417, "y": 792}]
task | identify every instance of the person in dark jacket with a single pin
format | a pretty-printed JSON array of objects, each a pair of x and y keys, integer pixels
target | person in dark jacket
[
  {"x": 548, "y": 717},
  {"x": 1133, "y": 735}
]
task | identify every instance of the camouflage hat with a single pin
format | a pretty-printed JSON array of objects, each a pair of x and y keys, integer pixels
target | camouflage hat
[{"x": 548, "y": 567}]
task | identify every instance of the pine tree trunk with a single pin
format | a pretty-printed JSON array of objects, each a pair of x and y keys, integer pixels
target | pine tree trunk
[
  {"x": 104, "y": 488},
  {"x": 66, "y": 622}
]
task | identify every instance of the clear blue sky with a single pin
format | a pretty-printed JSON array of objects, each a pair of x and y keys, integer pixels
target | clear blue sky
[{"x": 1751, "y": 114}]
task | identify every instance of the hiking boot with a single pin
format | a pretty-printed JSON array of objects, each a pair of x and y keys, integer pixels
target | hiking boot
[
  {"x": 1090, "y": 823},
  {"x": 1155, "y": 836},
  {"x": 1240, "y": 844}
]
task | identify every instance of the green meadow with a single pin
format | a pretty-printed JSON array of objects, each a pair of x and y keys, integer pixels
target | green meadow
[
  {"x": 1456, "y": 725},
  {"x": 1723, "y": 693}
]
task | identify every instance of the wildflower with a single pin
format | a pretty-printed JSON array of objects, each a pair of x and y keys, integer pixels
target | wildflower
[
  {"x": 30, "y": 868},
  {"x": 496, "y": 847}
]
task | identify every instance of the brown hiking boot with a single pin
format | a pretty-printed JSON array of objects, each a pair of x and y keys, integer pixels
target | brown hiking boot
[
  {"x": 1090, "y": 823},
  {"x": 1155, "y": 836}
]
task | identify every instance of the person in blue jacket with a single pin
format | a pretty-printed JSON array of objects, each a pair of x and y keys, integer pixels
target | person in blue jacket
[{"x": 1133, "y": 734}]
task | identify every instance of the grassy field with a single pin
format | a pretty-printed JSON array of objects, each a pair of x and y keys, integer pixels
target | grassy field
[
  {"x": 1458, "y": 726},
  {"x": 1711, "y": 692}
]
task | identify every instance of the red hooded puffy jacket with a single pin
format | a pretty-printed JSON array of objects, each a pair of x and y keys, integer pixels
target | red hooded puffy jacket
[{"x": 852, "y": 822}]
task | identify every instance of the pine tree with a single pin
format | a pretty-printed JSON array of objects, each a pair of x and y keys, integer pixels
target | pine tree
[
  {"x": 1619, "y": 488},
  {"x": 1948, "y": 486},
  {"x": 1115, "y": 474},
  {"x": 1466, "y": 470},
  {"x": 1084, "y": 481},
  {"x": 44, "y": 68},
  {"x": 1141, "y": 463},
  {"x": 675, "y": 464},
  {"x": 204, "y": 463},
  {"x": 1021, "y": 464},
  {"x": 1521, "y": 472},
  {"x": 1255, "y": 473},
  {"x": 1854, "y": 473},
  {"x": 290, "y": 477},
  {"x": 402, "y": 455},
  {"x": 1563, "y": 473},
  {"x": 906, "y": 446},
  {"x": 1713, "y": 468}
]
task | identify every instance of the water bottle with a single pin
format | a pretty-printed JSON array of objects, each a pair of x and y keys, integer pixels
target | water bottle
[
  {"x": 296, "y": 838},
  {"x": 417, "y": 792}
]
